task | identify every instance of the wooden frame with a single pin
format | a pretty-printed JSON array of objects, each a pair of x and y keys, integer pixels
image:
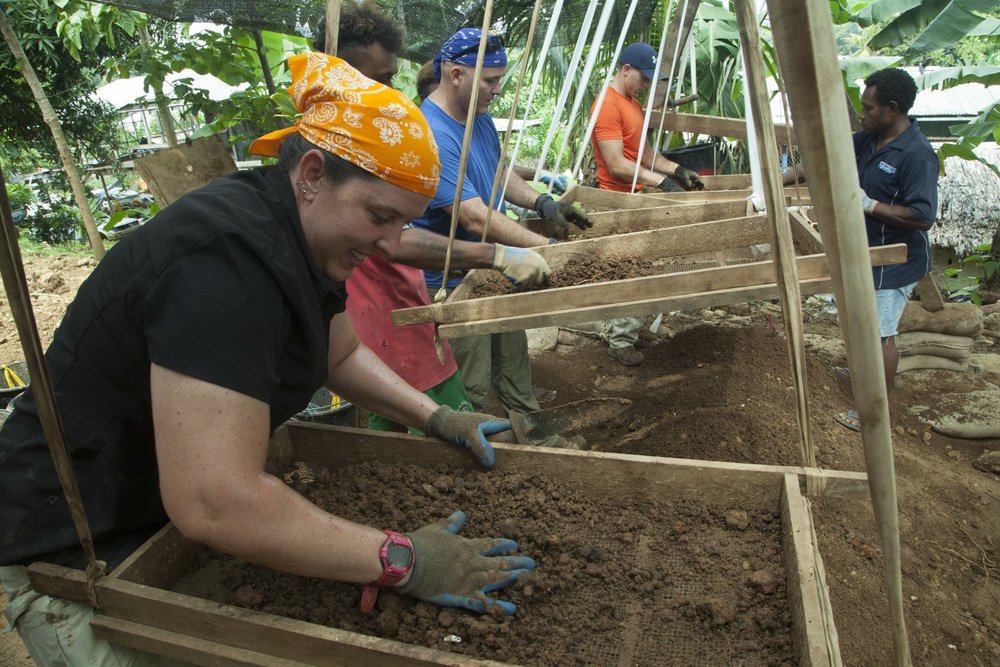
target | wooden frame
[
  {"x": 139, "y": 610},
  {"x": 460, "y": 315}
]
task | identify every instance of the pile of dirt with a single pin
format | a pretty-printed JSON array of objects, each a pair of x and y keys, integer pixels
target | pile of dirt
[
  {"x": 576, "y": 271},
  {"x": 611, "y": 584}
]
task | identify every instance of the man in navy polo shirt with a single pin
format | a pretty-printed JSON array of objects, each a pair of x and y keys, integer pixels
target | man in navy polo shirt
[{"x": 898, "y": 173}]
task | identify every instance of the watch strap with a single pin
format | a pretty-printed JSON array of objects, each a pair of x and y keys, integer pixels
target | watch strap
[{"x": 369, "y": 593}]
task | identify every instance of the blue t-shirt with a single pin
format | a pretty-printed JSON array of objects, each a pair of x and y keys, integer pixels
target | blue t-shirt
[
  {"x": 480, "y": 171},
  {"x": 904, "y": 172}
]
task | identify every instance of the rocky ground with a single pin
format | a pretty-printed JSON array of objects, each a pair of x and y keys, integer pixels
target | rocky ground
[{"x": 716, "y": 386}]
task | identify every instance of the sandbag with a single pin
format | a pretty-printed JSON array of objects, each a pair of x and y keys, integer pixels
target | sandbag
[
  {"x": 934, "y": 344},
  {"x": 972, "y": 415},
  {"x": 920, "y": 362},
  {"x": 957, "y": 319}
]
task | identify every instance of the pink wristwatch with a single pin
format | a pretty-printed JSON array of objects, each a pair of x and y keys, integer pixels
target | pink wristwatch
[{"x": 397, "y": 558}]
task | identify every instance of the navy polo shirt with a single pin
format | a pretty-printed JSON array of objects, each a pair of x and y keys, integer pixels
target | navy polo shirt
[{"x": 903, "y": 172}]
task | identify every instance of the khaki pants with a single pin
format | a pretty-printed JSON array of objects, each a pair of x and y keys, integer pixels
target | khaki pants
[
  {"x": 57, "y": 632},
  {"x": 624, "y": 331}
]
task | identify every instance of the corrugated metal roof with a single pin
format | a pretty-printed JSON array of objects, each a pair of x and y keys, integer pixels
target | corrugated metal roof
[{"x": 966, "y": 100}]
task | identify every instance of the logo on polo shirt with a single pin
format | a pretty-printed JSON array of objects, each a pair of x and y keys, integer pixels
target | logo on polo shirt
[{"x": 887, "y": 168}]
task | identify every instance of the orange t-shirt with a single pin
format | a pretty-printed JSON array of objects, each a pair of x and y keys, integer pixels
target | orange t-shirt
[{"x": 621, "y": 118}]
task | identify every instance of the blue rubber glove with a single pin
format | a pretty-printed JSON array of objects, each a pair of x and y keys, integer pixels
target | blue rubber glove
[
  {"x": 453, "y": 571},
  {"x": 467, "y": 428},
  {"x": 559, "y": 183}
]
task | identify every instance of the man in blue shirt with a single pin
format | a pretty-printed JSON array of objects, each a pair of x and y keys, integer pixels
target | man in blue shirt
[
  {"x": 499, "y": 360},
  {"x": 898, "y": 173}
]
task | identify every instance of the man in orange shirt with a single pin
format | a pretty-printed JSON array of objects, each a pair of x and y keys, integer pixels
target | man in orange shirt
[{"x": 617, "y": 139}]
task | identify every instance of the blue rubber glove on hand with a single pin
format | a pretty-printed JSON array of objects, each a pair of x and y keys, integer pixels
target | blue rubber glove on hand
[
  {"x": 467, "y": 428},
  {"x": 558, "y": 181},
  {"x": 523, "y": 267},
  {"x": 561, "y": 213},
  {"x": 867, "y": 203},
  {"x": 453, "y": 571}
]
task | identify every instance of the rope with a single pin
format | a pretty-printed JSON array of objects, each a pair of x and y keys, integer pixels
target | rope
[
  {"x": 604, "y": 89},
  {"x": 670, "y": 79},
  {"x": 470, "y": 120},
  {"x": 539, "y": 66},
  {"x": 581, "y": 90},
  {"x": 510, "y": 121}
]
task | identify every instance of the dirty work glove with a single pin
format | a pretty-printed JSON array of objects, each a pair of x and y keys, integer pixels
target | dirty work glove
[
  {"x": 523, "y": 267},
  {"x": 867, "y": 202},
  {"x": 689, "y": 177},
  {"x": 669, "y": 185},
  {"x": 561, "y": 213},
  {"x": 466, "y": 428},
  {"x": 558, "y": 182},
  {"x": 453, "y": 571}
]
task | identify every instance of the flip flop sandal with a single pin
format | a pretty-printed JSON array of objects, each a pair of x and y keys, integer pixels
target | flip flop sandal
[
  {"x": 842, "y": 372},
  {"x": 845, "y": 420}
]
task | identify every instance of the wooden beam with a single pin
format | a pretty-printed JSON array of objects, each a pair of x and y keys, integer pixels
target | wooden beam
[
  {"x": 622, "y": 293},
  {"x": 687, "y": 302},
  {"x": 930, "y": 295},
  {"x": 727, "y": 182},
  {"x": 715, "y": 126},
  {"x": 807, "y": 239},
  {"x": 813, "y": 631},
  {"x": 807, "y": 60},
  {"x": 676, "y": 40},
  {"x": 782, "y": 243},
  {"x": 612, "y": 199},
  {"x": 637, "y": 220}
]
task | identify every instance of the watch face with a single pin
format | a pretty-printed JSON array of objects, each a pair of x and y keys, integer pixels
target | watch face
[{"x": 399, "y": 555}]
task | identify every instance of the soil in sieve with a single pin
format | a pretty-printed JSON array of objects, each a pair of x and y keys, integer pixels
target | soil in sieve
[
  {"x": 576, "y": 271},
  {"x": 610, "y": 587}
]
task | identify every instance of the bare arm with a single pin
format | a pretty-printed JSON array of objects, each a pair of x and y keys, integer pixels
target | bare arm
[
  {"x": 898, "y": 215},
  {"x": 358, "y": 375},
  {"x": 211, "y": 447},
  {"x": 472, "y": 215},
  {"x": 613, "y": 151},
  {"x": 424, "y": 249}
]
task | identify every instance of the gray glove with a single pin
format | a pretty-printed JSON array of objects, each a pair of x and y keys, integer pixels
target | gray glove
[
  {"x": 453, "y": 571},
  {"x": 523, "y": 267},
  {"x": 561, "y": 213},
  {"x": 467, "y": 428},
  {"x": 689, "y": 177}
]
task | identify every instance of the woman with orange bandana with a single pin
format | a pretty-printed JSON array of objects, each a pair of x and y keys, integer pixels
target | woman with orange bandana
[{"x": 204, "y": 331}]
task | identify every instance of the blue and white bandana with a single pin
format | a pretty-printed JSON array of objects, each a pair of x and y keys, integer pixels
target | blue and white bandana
[{"x": 463, "y": 47}]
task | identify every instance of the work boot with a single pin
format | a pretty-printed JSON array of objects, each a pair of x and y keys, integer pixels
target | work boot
[
  {"x": 627, "y": 356},
  {"x": 642, "y": 344}
]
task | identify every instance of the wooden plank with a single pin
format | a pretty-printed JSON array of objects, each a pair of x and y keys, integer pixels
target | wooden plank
[
  {"x": 727, "y": 182},
  {"x": 174, "y": 172},
  {"x": 612, "y": 199},
  {"x": 622, "y": 292},
  {"x": 715, "y": 126},
  {"x": 606, "y": 474},
  {"x": 184, "y": 648},
  {"x": 807, "y": 239},
  {"x": 161, "y": 561},
  {"x": 930, "y": 295},
  {"x": 636, "y": 220},
  {"x": 58, "y": 581},
  {"x": 813, "y": 632},
  {"x": 297, "y": 641}
]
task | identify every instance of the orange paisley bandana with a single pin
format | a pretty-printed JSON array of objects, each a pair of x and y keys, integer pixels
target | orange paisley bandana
[{"x": 374, "y": 127}]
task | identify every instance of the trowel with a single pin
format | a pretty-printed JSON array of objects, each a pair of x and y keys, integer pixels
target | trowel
[{"x": 533, "y": 426}]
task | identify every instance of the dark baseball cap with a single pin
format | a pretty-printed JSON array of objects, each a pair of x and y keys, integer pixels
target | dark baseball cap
[{"x": 642, "y": 57}]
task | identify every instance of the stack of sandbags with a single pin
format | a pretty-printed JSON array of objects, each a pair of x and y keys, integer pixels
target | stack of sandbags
[{"x": 939, "y": 340}]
